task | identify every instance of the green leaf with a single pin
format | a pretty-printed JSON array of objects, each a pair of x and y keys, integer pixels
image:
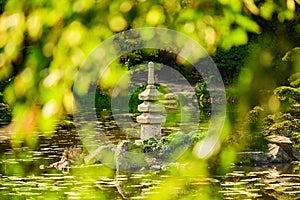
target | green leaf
[
  {"x": 266, "y": 10},
  {"x": 285, "y": 15},
  {"x": 239, "y": 36},
  {"x": 247, "y": 23},
  {"x": 187, "y": 15}
]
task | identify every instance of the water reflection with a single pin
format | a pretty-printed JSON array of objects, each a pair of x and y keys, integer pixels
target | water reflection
[
  {"x": 277, "y": 181},
  {"x": 22, "y": 178}
]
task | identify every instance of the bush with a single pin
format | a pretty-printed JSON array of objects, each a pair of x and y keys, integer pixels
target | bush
[
  {"x": 290, "y": 94},
  {"x": 283, "y": 124}
]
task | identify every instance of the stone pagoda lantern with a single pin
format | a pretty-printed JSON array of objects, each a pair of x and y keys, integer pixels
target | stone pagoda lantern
[{"x": 151, "y": 118}]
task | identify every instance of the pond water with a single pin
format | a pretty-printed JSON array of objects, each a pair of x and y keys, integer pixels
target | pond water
[{"x": 24, "y": 175}]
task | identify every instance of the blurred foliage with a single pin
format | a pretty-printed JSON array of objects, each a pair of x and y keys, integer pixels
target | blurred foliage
[
  {"x": 255, "y": 136},
  {"x": 43, "y": 43}
]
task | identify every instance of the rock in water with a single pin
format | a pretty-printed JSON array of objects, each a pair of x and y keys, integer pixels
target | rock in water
[
  {"x": 130, "y": 157},
  {"x": 277, "y": 154},
  {"x": 105, "y": 154},
  {"x": 278, "y": 139},
  {"x": 151, "y": 154},
  {"x": 281, "y": 149},
  {"x": 71, "y": 156}
]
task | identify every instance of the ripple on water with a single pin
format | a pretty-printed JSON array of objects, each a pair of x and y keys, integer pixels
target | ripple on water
[{"x": 239, "y": 184}]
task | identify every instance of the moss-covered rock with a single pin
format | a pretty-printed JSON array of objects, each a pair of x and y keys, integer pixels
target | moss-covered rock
[
  {"x": 130, "y": 157},
  {"x": 283, "y": 124},
  {"x": 153, "y": 154},
  {"x": 149, "y": 154}
]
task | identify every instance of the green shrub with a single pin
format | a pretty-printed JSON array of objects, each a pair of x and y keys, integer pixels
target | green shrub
[{"x": 290, "y": 94}]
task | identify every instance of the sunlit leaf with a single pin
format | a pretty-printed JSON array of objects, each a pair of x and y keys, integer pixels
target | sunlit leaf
[
  {"x": 251, "y": 6},
  {"x": 291, "y": 5},
  {"x": 74, "y": 34},
  {"x": 155, "y": 16},
  {"x": 187, "y": 15},
  {"x": 236, "y": 37},
  {"x": 14, "y": 5},
  {"x": 210, "y": 35},
  {"x": 68, "y": 102},
  {"x": 286, "y": 14},
  {"x": 6, "y": 69},
  {"x": 247, "y": 23},
  {"x": 189, "y": 27},
  {"x": 117, "y": 23},
  {"x": 126, "y": 6},
  {"x": 34, "y": 25},
  {"x": 239, "y": 36},
  {"x": 235, "y": 5},
  {"x": 82, "y": 5},
  {"x": 266, "y": 10}
]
